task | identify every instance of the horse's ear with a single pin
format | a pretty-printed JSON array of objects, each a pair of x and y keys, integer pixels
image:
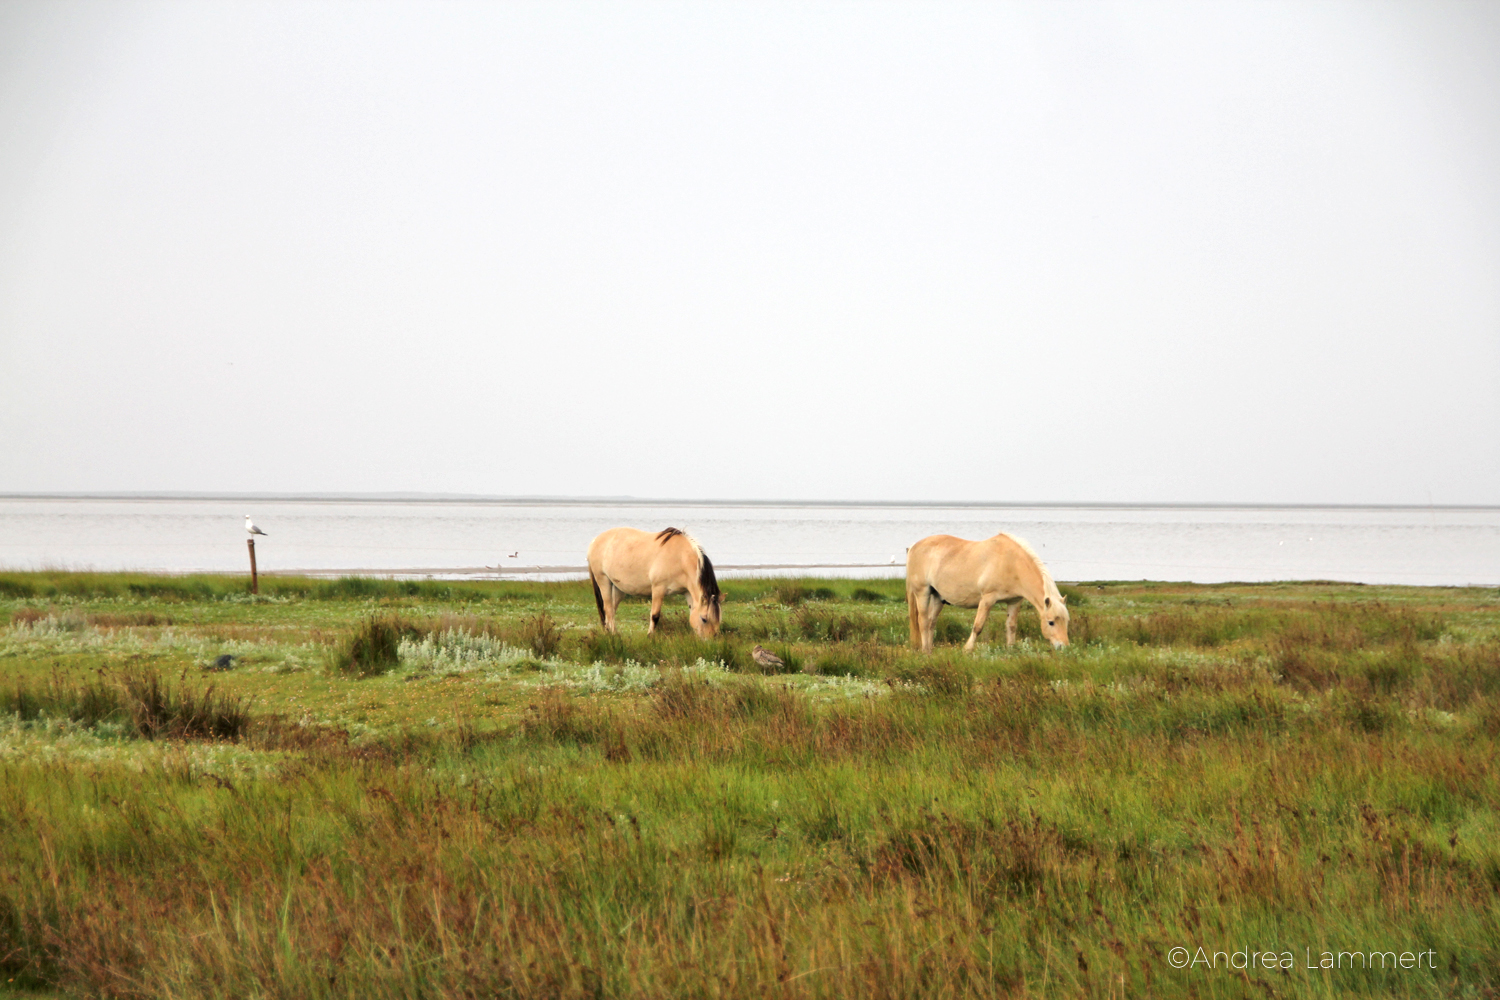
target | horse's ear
[
  {"x": 1062, "y": 598},
  {"x": 723, "y": 597}
]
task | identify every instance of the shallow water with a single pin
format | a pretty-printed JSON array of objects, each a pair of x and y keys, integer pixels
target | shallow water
[{"x": 452, "y": 538}]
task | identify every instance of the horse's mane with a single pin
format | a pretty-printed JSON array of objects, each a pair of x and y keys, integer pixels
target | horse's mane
[
  {"x": 1047, "y": 582},
  {"x": 706, "y": 579}
]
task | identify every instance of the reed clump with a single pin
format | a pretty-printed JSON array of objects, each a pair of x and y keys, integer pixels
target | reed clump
[
  {"x": 541, "y": 634},
  {"x": 160, "y": 711},
  {"x": 373, "y": 648}
]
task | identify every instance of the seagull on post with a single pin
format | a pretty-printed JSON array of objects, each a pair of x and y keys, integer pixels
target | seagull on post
[{"x": 250, "y": 527}]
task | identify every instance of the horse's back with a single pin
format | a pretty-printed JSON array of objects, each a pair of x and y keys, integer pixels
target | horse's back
[
  {"x": 636, "y": 560},
  {"x": 936, "y": 553},
  {"x": 961, "y": 570},
  {"x": 613, "y": 539},
  {"x": 924, "y": 556}
]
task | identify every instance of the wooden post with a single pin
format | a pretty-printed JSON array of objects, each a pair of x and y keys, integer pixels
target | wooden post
[{"x": 254, "y": 577}]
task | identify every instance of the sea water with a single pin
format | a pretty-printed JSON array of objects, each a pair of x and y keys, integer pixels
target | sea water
[{"x": 547, "y": 539}]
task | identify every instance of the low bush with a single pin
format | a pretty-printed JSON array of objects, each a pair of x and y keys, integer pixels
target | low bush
[
  {"x": 793, "y": 592},
  {"x": 541, "y": 634},
  {"x": 369, "y": 650}
]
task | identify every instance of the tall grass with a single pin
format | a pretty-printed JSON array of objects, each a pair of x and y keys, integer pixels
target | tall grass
[
  {"x": 160, "y": 711},
  {"x": 87, "y": 702},
  {"x": 139, "y": 699},
  {"x": 1269, "y": 768}
]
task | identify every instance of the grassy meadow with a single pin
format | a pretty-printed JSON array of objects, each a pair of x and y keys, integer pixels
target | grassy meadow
[{"x": 424, "y": 789}]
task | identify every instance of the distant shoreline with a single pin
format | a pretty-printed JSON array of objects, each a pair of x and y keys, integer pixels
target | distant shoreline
[
  {"x": 628, "y": 501},
  {"x": 507, "y": 572}
]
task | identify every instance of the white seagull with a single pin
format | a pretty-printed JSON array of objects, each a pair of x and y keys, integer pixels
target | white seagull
[{"x": 251, "y": 528}]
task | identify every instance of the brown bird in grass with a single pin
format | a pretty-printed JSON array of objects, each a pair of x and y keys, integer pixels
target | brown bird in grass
[{"x": 766, "y": 658}]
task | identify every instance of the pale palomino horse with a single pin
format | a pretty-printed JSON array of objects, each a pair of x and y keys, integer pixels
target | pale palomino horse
[
  {"x": 941, "y": 569},
  {"x": 627, "y": 561}
]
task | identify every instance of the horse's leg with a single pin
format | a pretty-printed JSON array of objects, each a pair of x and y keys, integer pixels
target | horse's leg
[
  {"x": 934, "y": 607},
  {"x": 1010, "y": 622},
  {"x": 980, "y": 617},
  {"x": 612, "y": 597},
  {"x": 657, "y": 594}
]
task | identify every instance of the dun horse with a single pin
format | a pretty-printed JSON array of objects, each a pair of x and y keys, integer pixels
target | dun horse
[
  {"x": 626, "y": 561},
  {"x": 941, "y": 569}
]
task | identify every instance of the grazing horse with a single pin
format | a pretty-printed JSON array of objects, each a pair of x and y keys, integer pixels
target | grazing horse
[
  {"x": 941, "y": 569},
  {"x": 627, "y": 561}
]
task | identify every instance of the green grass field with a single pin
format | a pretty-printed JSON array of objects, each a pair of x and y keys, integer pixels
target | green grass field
[{"x": 466, "y": 790}]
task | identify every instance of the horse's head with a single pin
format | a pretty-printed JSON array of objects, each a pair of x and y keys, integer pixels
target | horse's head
[
  {"x": 705, "y": 613},
  {"x": 1054, "y": 615}
]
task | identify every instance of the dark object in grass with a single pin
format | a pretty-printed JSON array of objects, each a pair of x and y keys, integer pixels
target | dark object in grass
[
  {"x": 224, "y": 662},
  {"x": 866, "y": 595}
]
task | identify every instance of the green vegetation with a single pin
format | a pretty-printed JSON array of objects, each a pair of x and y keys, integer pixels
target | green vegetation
[
  {"x": 372, "y": 648},
  {"x": 432, "y": 790}
]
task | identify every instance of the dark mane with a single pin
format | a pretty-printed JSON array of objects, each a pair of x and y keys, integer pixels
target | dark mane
[{"x": 706, "y": 578}]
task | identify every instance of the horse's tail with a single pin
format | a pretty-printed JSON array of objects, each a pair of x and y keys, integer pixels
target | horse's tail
[
  {"x": 914, "y": 623},
  {"x": 598, "y": 597},
  {"x": 913, "y": 603}
]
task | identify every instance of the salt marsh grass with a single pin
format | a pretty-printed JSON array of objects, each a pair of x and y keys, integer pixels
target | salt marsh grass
[{"x": 1281, "y": 766}]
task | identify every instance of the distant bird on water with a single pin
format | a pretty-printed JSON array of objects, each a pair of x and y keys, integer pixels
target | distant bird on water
[
  {"x": 251, "y": 528},
  {"x": 514, "y": 554},
  {"x": 766, "y": 658}
]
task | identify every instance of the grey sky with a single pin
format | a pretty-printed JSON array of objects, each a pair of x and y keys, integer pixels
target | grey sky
[{"x": 1078, "y": 252}]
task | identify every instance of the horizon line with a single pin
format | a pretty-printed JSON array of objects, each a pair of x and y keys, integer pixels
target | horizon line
[{"x": 633, "y": 501}]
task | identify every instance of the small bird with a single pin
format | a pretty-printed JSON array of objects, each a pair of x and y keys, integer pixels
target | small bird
[
  {"x": 251, "y": 528},
  {"x": 514, "y": 554},
  {"x": 766, "y": 658}
]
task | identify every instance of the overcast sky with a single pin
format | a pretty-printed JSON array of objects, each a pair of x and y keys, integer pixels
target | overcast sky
[{"x": 1072, "y": 252}]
